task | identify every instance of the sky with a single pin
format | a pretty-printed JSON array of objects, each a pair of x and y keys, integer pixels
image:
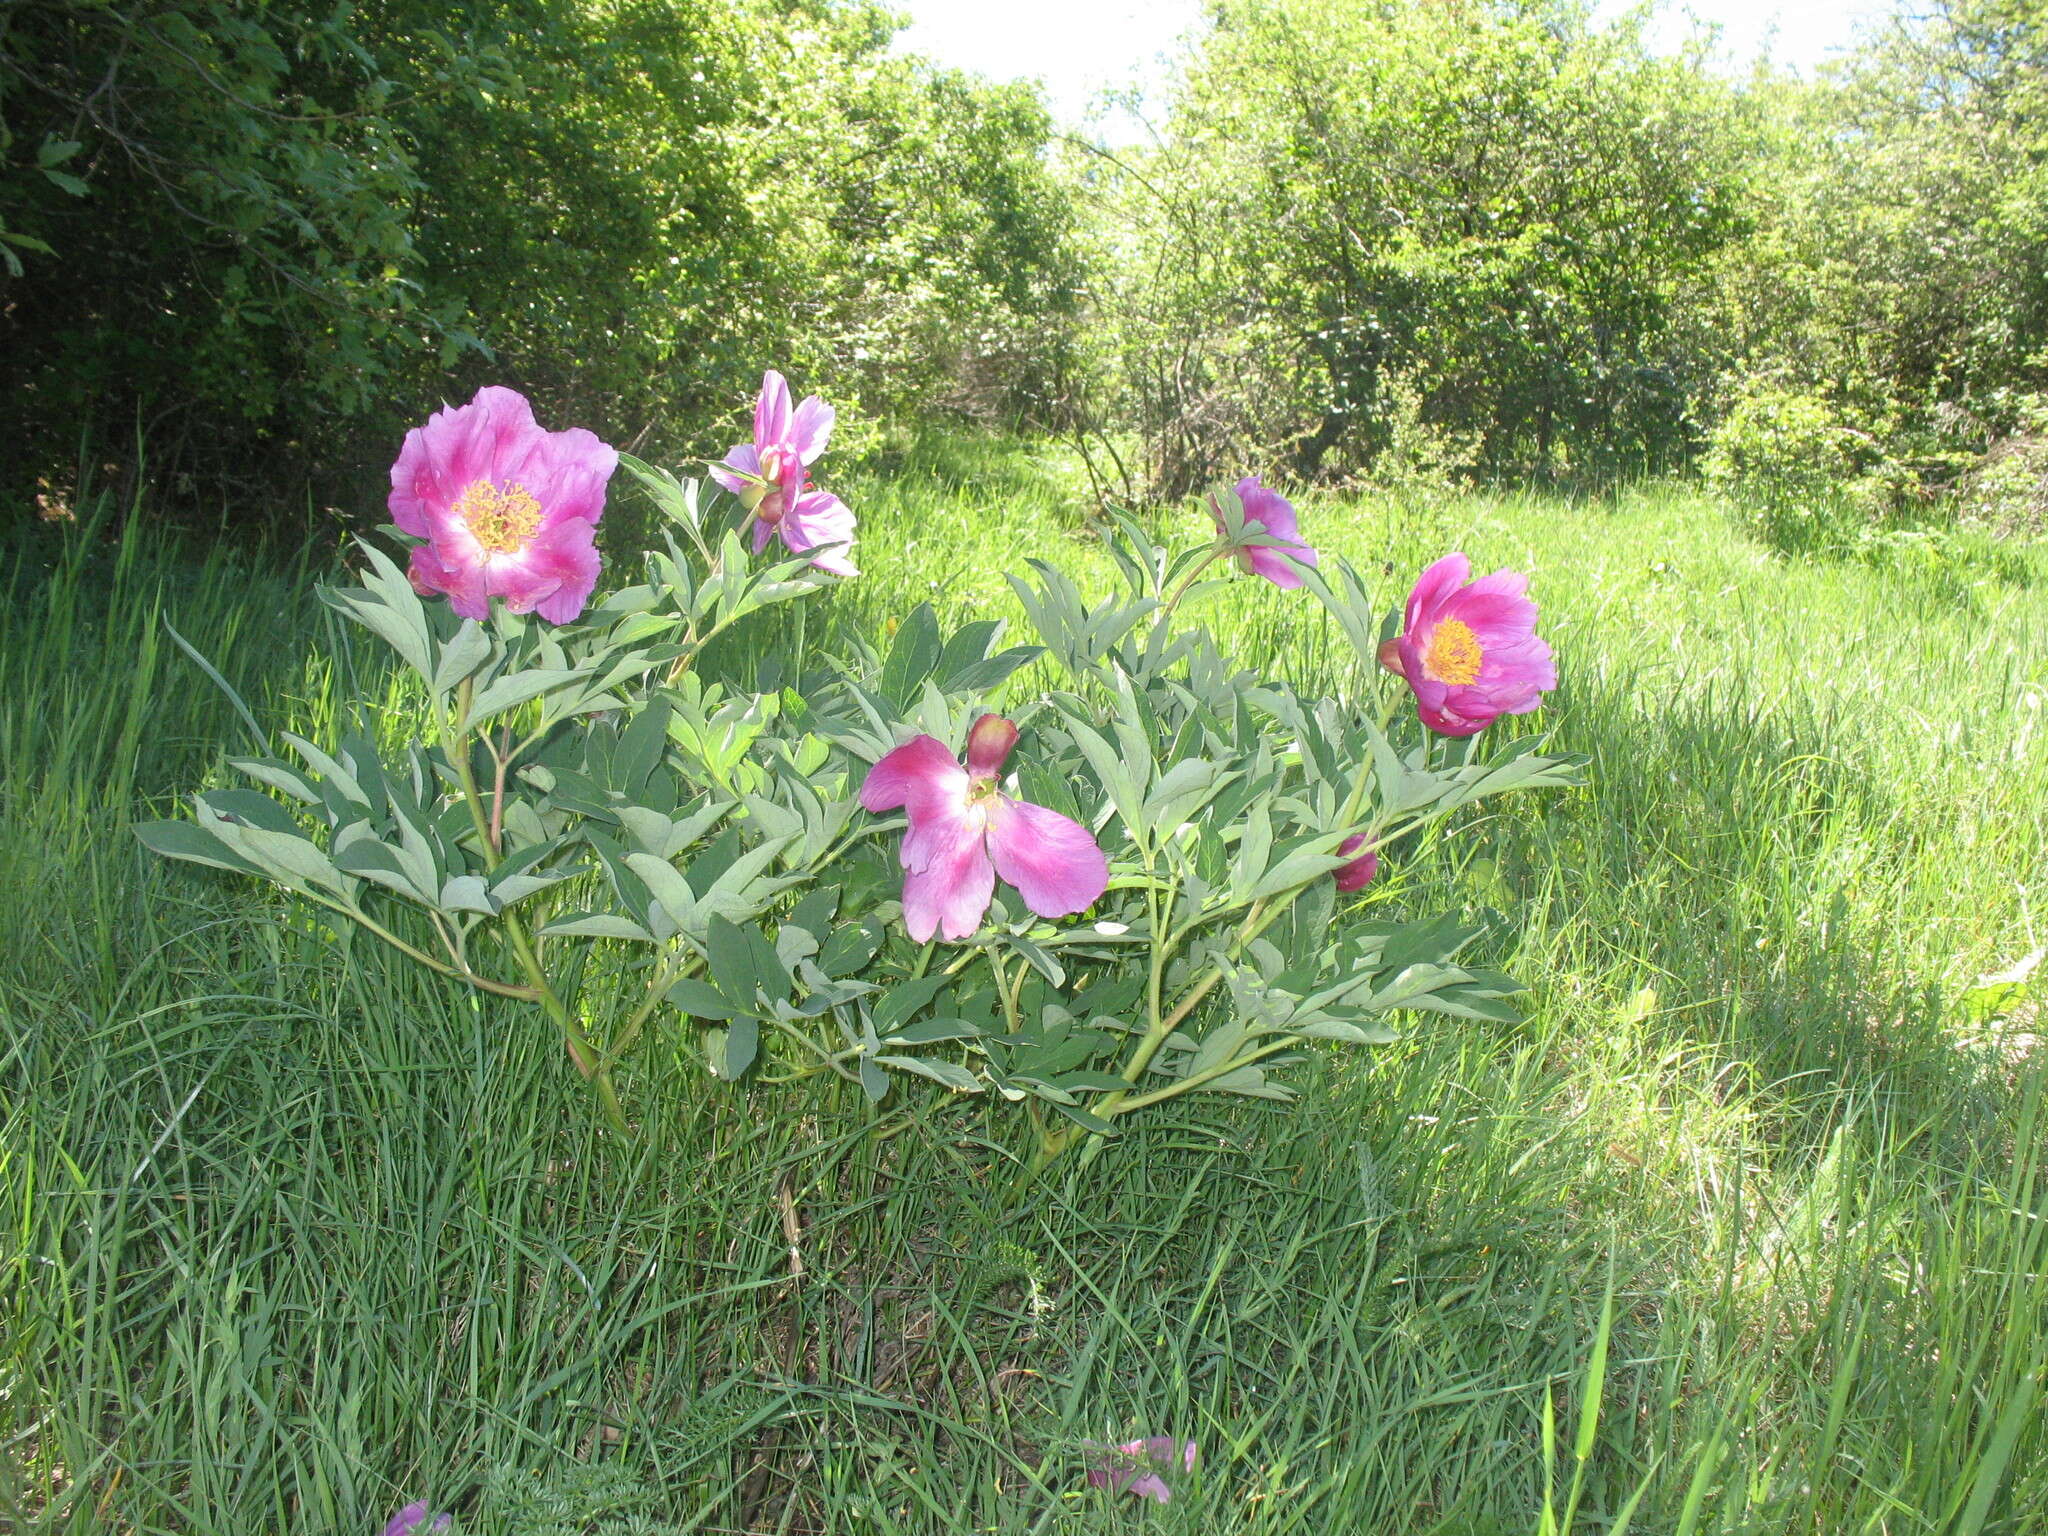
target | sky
[{"x": 1079, "y": 48}]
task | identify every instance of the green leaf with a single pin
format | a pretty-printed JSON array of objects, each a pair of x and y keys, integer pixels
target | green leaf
[
  {"x": 515, "y": 688},
  {"x": 733, "y": 1048},
  {"x": 850, "y": 948},
  {"x": 912, "y": 657},
  {"x": 951, "y": 1074},
  {"x": 904, "y": 999},
  {"x": 194, "y": 844},
  {"x": 731, "y": 959},
  {"x": 874, "y": 1082},
  {"x": 701, "y": 1000},
  {"x": 925, "y": 1031},
  {"x": 213, "y": 676},
  {"x": 596, "y": 925},
  {"x": 470, "y": 649}
]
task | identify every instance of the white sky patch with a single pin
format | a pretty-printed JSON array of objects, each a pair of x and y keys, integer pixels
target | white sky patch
[{"x": 1077, "y": 49}]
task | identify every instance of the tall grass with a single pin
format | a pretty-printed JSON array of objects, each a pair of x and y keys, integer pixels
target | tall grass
[{"x": 1743, "y": 1231}]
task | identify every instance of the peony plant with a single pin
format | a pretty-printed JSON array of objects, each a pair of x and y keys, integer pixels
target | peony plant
[{"x": 1140, "y": 872}]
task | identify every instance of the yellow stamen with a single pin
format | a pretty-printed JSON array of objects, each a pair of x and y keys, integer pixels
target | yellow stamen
[
  {"x": 1454, "y": 653},
  {"x": 503, "y": 521}
]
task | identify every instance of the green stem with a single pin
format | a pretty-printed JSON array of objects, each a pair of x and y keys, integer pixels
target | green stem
[
  {"x": 1181, "y": 591},
  {"x": 1186, "y": 1084},
  {"x": 581, "y": 1051},
  {"x": 481, "y": 983}
]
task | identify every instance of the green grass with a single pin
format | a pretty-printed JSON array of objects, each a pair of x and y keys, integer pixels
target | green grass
[{"x": 293, "y": 1235}]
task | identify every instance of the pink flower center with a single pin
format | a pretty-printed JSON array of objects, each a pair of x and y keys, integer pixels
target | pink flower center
[
  {"x": 503, "y": 521},
  {"x": 770, "y": 508},
  {"x": 1454, "y": 653}
]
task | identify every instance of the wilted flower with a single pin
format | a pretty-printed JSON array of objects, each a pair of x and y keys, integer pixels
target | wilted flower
[
  {"x": 771, "y": 477},
  {"x": 1469, "y": 648},
  {"x": 1358, "y": 874},
  {"x": 1137, "y": 1465},
  {"x": 506, "y": 509},
  {"x": 1269, "y": 515},
  {"x": 412, "y": 1521},
  {"x": 964, "y": 832}
]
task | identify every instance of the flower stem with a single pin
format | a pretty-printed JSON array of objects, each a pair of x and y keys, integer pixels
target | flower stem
[{"x": 582, "y": 1052}]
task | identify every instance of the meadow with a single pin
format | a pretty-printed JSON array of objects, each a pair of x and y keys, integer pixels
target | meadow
[{"x": 1743, "y": 1230}]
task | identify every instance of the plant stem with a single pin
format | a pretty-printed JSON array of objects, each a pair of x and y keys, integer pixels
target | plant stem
[{"x": 582, "y": 1052}]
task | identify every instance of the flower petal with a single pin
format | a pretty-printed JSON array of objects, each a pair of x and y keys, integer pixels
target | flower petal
[
  {"x": 810, "y": 429},
  {"x": 559, "y": 572},
  {"x": 1432, "y": 587},
  {"x": 771, "y": 410},
  {"x": 1052, "y": 860},
  {"x": 819, "y": 517},
  {"x": 741, "y": 469},
  {"x": 951, "y": 889},
  {"x": 459, "y": 445},
  {"x": 463, "y": 582},
  {"x": 913, "y": 776}
]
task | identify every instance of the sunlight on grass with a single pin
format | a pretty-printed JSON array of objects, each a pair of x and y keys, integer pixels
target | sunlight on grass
[{"x": 297, "y": 1235}]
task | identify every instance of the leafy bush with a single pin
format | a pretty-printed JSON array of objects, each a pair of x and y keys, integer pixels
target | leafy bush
[
  {"x": 261, "y": 238},
  {"x": 1789, "y": 468},
  {"x": 583, "y": 824}
]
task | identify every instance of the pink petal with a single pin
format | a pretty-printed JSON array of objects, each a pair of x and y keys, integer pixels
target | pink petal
[
  {"x": 771, "y": 410},
  {"x": 1272, "y": 564},
  {"x": 1052, "y": 860},
  {"x": 1359, "y": 873},
  {"x": 819, "y": 517},
  {"x": 568, "y": 476},
  {"x": 1268, "y": 508},
  {"x": 916, "y": 775},
  {"x": 463, "y": 581},
  {"x": 1432, "y": 587},
  {"x": 458, "y": 446},
  {"x": 954, "y": 881},
  {"x": 741, "y": 469},
  {"x": 810, "y": 429},
  {"x": 556, "y": 573},
  {"x": 1149, "y": 1485}
]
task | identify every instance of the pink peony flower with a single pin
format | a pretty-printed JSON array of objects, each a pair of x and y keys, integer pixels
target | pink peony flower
[
  {"x": 1358, "y": 874},
  {"x": 412, "y": 1521},
  {"x": 964, "y": 832},
  {"x": 771, "y": 477},
  {"x": 1137, "y": 1466},
  {"x": 506, "y": 509},
  {"x": 1469, "y": 648},
  {"x": 1268, "y": 514}
]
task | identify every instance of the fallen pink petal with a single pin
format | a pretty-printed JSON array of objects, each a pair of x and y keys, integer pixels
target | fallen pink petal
[
  {"x": 1141, "y": 1467},
  {"x": 964, "y": 832},
  {"x": 771, "y": 478},
  {"x": 1469, "y": 649},
  {"x": 1270, "y": 516},
  {"x": 507, "y": 509},
  {"x": 413, "y": 1520}
]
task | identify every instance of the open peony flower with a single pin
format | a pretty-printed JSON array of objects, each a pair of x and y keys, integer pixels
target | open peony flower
[
  {"x": 1270, "y": 515},
  {"x": 506, "y": 509},
  {"x": 771, "y": 477},
  {"x": 414, "y": 1521},
  {"x": 1358, "y": 874},
  {"x": 964, "y": 832},
  {"x": 1137, "y": 1466},
  {"x": 1469, "y": 648}
]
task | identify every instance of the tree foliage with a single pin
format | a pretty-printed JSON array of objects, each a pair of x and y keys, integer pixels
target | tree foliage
[
  {"x": 272, "y": 234},
  {"x": 1499, "y": 204}
]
